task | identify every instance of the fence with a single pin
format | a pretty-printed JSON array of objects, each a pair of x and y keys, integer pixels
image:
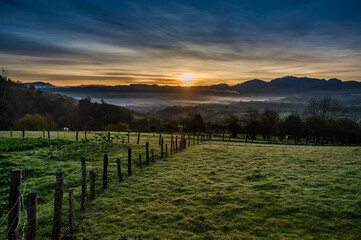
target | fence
[{"x": 28, "y": 227}]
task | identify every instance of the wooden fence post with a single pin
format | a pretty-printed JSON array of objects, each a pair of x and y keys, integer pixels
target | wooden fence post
[
  {"x": 138, "y": 137},
  {"x": 92, "y": 184},
  {"x": 171, "y": 143},
  {"x": 23, "y": 131},
  {"x": 58, "y": 205},
  {"x": 85, "y": 133},
  {"x": 152, "y": 152},
  {"x": 147, "y": 152},
  {"x": 105, "y": 171},
  {"x": 128, "y": 136},
  {"x": 119, "y": 169},
  {"x": 83, "y": 184},
  {"x": 171, "y": 147},
  {"x": 13, "y": 219},
  {"x": 161, "y": 149},
  {"x": 176, "y": 144},
  {"x": 140, "y": 160},
  {"x": 11, "y": 132},
  {"x": 32, "y": 220},
  {"x": 71, "y": 210},
  {"x": 166, "y": 150},
  {"x": 48, "y": 134},
  {"x": 77, "y": 135},
  {"x": 43, "y": 133},
  {"x": 160, "y": 137},
  {"x": 129, "y": 161}
]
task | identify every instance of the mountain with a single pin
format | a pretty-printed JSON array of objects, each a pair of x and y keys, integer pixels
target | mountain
[
  {"x": 143, "y": 95},
  {"x": 40, "y": 85}
]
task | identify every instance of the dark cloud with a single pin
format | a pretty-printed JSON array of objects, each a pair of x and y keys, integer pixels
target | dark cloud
[{"x": 85, "y": 32}]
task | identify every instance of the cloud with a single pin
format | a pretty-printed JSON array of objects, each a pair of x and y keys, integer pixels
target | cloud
[{"x": 235, "y": 38}]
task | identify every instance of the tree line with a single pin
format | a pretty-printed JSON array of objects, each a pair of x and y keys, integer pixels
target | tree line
[
  {"x": 321, "y": 123},
  {"x": 27, "y": 108}
]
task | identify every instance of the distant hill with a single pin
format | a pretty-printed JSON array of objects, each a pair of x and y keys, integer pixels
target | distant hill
[
  {"x": 39, "y": 85},
  {"x": 289, "y": 89},
  {"x": 278, "y": 84}
]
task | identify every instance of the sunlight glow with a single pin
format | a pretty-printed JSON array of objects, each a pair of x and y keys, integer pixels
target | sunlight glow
[
  {"x": 186, "y": 77},
  {"x": 187, "y": 85}
]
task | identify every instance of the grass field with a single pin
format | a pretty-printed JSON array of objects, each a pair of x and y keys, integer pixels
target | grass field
[
  {"x": 216, "y": 190},
  {"x": 40, "y": 164},
  {"x": 236, "y": 191}
]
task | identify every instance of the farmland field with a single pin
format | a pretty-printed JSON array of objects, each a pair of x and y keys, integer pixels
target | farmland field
[{"x": 215, "y": 190}]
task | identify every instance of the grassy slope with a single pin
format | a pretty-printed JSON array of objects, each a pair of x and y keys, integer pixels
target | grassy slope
[
  {"x": 235, "y": 191},
  {"x": 39, "y": 166}
]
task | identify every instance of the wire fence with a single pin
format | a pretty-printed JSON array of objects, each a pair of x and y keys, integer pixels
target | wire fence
[{"x": 77, "y": 180}]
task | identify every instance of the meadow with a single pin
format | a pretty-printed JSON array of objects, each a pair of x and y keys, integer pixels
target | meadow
[{"x": 215, "y": 190}]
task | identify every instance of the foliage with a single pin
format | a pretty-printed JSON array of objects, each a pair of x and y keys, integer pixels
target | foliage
[
  {"x": 19, "y": 144},
  {"x": 233, "y": 125},
  {"x": 117, "y": 127},
  {"x": 66, "y": 112},
  {"x": 35, "y": 122}
]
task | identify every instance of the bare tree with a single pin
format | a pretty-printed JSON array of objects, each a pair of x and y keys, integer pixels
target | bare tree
[{"x": 325, "y": 108}]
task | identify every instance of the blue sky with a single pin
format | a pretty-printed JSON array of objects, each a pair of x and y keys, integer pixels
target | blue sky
[{"x": 120, "y": 42}]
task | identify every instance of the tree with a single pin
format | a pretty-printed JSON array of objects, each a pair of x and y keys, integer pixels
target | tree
[
  {"x": 152, "y": 128},
  {"x": 326, "y": 108},
  {"x": 319, "y": 113},
  {"x": 233, "y": 125},
  {"x": 196, "y": 124},
  {"x": 251, "y": 123},
  {"x": 268, "y": 123},
  {"x": 293, "y": 125},
  {"x": 36, "y": 122}
]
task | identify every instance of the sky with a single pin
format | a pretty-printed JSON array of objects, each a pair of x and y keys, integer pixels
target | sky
[{"x": 179, "y": 42}]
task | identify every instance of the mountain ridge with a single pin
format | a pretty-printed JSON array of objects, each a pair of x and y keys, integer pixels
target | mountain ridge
[{"x": 282, "y": 81}]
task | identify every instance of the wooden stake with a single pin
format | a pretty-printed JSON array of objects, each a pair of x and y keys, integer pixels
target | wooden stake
[
  {"x": 119, "y": 169},
  {"x": 83, "y": 184},
  {"x": 58, "y": 205},
  {"x": 14, "y": 204},
  {"x": 129, "y": 161},
  {"x": 105, "y": 171},
  {"x": 71, "y": 210},
  {"x": 161, "y": 148},
  {"x": 92, "y": 184},
  {"x": 32, "y": 219},
  {"x": 147, "y": 152},
  {"x": 152, "y": 155}
]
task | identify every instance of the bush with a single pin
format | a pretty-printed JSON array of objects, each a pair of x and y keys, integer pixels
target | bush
[{"x": 35, "y": 122}]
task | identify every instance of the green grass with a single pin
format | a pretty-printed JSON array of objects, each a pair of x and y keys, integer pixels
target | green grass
[
  {"x": 216, "y": 190},
  {"x": 235, "y": 191},
  {"x": 40, "y": 163},
  {"x": 19, "y": 144}
]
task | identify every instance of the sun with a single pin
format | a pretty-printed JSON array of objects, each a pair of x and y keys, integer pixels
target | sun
[{"x": 186, "y": 77}]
